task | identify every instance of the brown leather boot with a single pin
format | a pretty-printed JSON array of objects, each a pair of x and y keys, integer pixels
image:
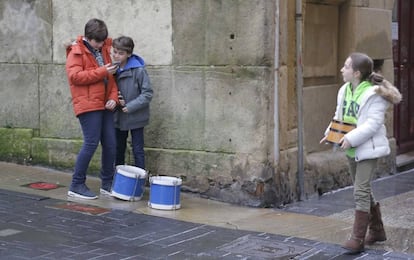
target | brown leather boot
[
  {"x": 376, "y": 232},
  {"x": 355, "y": 244}
]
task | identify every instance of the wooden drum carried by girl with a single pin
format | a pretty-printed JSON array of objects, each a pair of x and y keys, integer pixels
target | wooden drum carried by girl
[
  {"x": 165, "y": 192},
  {"x": 337, "y": 130},
  {"x": 128, "y": 182}
]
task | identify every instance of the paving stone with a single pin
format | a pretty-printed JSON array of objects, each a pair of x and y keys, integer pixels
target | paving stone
[
  {"x": 340, "y": 200},
  {"x": 53, "y": 233}
]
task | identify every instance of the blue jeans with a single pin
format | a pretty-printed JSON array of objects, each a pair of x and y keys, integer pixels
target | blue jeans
[
  {"x": 137, "y": 136},
  {"x": 96, "y": 126}
]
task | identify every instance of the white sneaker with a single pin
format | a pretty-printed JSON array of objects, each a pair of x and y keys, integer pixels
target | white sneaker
[
  {"x": 81, "y": 191},
  {"x": 80, "y": 196},
  {"x": 105, "y": 192}
]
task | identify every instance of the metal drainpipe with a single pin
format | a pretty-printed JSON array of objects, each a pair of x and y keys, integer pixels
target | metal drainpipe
[
  {"x": 276, "y": 87},
  {"x": 299, "y": 93}
]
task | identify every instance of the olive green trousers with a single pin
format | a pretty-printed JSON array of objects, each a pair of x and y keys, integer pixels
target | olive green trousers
[{"x": 362, "y": 173}]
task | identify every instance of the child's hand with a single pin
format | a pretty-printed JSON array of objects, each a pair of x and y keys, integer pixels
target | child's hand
[
  {"x": 110, "y": 104},
  {"x": 111, "y": 68},
  {"x": 121, "y": 99},
  {"x": 344, "y": 143}
]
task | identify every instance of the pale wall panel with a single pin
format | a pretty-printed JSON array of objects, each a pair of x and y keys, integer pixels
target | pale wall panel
[{"x": 147, "y": 22}]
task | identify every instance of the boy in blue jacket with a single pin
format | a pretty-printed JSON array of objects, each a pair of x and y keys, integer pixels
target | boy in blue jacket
[{"x": 135, "y": 94}]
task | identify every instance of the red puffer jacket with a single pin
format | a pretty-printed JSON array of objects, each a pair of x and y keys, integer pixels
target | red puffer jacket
[{"x": 86, "y": 78}]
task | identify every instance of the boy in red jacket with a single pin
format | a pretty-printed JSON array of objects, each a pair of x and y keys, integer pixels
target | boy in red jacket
[{"x": 94, "y": 97}]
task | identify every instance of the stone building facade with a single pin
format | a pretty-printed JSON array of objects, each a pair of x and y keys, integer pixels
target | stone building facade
[{"x": 243, "y": 89}]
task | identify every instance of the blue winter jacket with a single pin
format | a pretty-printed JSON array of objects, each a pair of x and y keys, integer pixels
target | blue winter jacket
[{"x": 135, "y": 87}]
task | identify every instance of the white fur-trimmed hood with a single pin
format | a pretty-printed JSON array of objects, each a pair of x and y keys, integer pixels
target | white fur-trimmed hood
[{"x": 389, "y": 92}]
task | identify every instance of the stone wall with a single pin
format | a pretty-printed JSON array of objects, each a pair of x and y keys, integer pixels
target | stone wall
[{"x": 212, "y": 66}]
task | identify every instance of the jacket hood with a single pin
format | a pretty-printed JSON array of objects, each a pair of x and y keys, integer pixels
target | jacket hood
[
  {"x": 389, "y": 92},
  {"x": 134, "y": 61},
  {"x": 78, "y": 45}
]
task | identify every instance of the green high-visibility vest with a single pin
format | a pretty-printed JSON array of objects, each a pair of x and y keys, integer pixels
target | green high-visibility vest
[{"x": 352, "y": 102}]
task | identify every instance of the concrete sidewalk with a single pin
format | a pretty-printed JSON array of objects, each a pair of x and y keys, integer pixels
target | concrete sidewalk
[{"x": 292, "y": 233}]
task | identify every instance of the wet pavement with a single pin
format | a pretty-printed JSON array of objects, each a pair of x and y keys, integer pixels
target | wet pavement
[{"x": 38, "y": 221}]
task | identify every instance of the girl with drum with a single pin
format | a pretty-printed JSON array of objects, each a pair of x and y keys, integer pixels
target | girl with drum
[{"x": 363, "y": 100}]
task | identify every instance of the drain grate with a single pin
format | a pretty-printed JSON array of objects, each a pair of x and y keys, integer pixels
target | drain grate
[
  {"x": 93, "y": 210},
  {"x": 42, "y": 185},
  {"x": 262, "y": 248}
]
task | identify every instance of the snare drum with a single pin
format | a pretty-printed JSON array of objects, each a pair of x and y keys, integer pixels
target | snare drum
[
  {"x": 128, "y": 182},
  {"x": 337, "y": 130},
  {"x": 165, "y": 192}
]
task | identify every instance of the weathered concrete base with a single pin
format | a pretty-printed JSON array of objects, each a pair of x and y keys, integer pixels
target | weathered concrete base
[
  {"x": 61, "y": 154},
  {"x": 21, "y": 146},
  {"x": 328, "y": 170},
  {"x": 15, "y": 144},
  {"x": 234, "y": 178}
]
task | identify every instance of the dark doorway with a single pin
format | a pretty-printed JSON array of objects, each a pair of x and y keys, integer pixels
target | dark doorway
[{"x": 403, "y": 51}]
